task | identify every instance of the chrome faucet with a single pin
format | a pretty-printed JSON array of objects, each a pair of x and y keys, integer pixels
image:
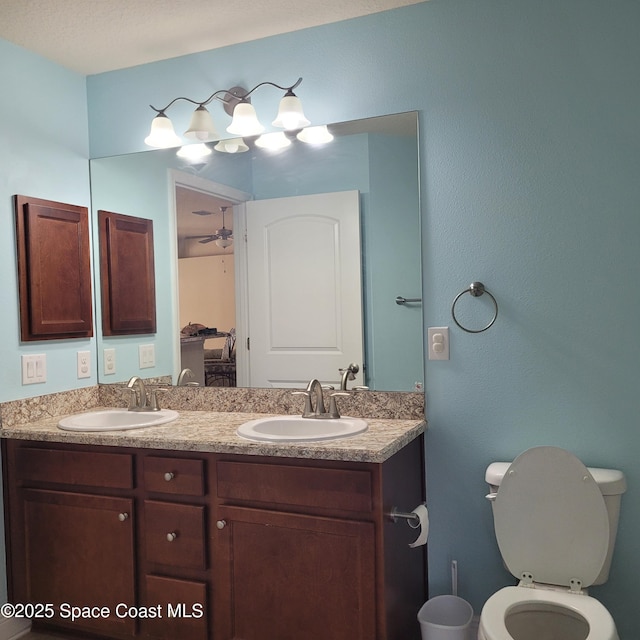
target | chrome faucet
[
  {"x": 348, "y": 374},
  {"x": 138, "y": 399},
  {"x": 313, "y": 388},
  {"x": 187, "y": 374}
]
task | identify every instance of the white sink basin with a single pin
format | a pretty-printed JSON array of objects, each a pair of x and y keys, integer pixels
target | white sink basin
[
  {"x": 116, "y": 419},
  {"x": 297, "y": 429}
]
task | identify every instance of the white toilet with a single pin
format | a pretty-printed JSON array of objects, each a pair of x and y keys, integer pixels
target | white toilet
[{"x": 556, "y": 523}]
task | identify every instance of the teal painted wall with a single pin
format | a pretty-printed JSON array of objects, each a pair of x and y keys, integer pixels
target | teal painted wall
[
  {"x": 529, "y": 152},
  {"x": 43, "y": 154},
  {"x": 44, "y": 150}
]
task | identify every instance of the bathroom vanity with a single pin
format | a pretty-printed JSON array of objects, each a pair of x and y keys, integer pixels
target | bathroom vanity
[{"x": 187, "y": 531}]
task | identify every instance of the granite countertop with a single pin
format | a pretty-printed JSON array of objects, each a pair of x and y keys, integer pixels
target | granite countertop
[{"x": 215, "y": 432}]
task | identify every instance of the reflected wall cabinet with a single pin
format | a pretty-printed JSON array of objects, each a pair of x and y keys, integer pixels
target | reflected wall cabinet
[
  {"x": 127, "y": 276},
  {"x": 54, "y": 269}
]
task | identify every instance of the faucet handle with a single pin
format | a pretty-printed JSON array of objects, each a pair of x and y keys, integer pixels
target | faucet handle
[
  {"x": 333, "y": 406},
  {"x": 133, "y": 398},
  {"x": 154, "y": 404},
  {"x": 308, "y": 411}
]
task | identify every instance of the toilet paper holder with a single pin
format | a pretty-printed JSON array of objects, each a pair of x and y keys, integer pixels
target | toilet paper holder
[{"x": 413, "y": 520}]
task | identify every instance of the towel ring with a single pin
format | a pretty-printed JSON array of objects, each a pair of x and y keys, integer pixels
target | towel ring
[{"x": 476, "y": 289}]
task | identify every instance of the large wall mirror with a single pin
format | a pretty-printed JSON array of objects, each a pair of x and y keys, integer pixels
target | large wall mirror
[{"x": 205, "y": 211}]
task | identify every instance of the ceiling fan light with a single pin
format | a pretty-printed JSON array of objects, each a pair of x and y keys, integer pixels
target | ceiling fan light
[
  {"x": 223, "y": 243},
  {"x": 232, "y": 145},
  {"x": 315, "y": 135},
  {"x": 273, "y": 141},
  {"x": 201, "y": 127},
  {"x": 162, "y": 134},
  {"x": 245, "y": 121},
  {"x": 290, "y": 115}
]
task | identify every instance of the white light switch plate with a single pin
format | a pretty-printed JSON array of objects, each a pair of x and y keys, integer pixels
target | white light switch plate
[
  {"x": 147, "y": 356},
  {"x": 34, "y": 368},
  {"x": 438, "y": 340}
]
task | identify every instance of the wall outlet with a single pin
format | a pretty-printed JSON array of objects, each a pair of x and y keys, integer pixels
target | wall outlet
[
  {"x": 109, "y": 361},
  {"x": 84, "y": 364},
  {"x": 34, "y": 368},
  {"x": 147, "y": 356},
  {"x": 438, "y": 339}
]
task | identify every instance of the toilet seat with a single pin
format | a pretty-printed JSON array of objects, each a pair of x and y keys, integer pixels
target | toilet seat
[
  {"x": 551, "y": 520},
  {"x": 495, "y": 611}
]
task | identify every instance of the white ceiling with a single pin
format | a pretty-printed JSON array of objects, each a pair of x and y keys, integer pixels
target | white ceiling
[{"x": 92, "y": 36}]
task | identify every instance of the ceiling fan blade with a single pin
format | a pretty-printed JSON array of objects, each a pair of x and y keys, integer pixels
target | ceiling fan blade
[
  {"x": 203, "y": 212},
  {"x": 207, "y": 239}
]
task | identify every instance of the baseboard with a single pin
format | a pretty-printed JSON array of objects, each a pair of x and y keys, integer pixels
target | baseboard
[{"x": 12, "y": 628}]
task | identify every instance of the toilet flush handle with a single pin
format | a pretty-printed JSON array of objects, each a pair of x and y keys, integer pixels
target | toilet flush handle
[{"x": 491, "y": 497}]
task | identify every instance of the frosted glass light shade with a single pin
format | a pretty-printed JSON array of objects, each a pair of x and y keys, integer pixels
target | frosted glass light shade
[
  {"x": 245, "y": 121},
  {"x": 224, "y": 242},
  {"x": 290, "y": 114},
  {"x": 273, "y": 141},
  {"x": 315, "y": 135},
  {"x": 194, "y": 151},
  {"x": 232, "y": 145},
  {"x": 162, "y": 134},
  {"x": 201, "y": 127}
]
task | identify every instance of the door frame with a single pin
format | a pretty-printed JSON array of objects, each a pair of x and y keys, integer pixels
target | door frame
[{"x": 179, "y": 178}]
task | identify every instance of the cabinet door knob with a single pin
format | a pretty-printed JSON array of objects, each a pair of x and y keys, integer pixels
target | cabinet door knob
[
  {"x": 171, "y": 536},
  {"x": 169, "y": 476},
  {"x": 123, "y": 516},
  {"x": 221, "y": 524}
]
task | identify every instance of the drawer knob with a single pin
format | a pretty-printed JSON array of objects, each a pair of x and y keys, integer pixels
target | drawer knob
[
  {"x": 123, "y": 516},
  {"x": 169, "y": 476},
  {"x": 221, "y": 524},
  {"x": 171, "y": 536}
]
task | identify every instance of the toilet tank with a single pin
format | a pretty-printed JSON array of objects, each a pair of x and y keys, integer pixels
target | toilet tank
[{"x": 612, "y": 484}]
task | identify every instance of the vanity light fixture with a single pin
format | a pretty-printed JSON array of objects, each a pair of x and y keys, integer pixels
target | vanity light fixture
[
  {"x": 236, "y": 102},
  {"x": 232, "y": 145},
  {"x": 193, "y": 152},
  {"x": 315, "y": 135},
  {"x": 273, "y": 141}
]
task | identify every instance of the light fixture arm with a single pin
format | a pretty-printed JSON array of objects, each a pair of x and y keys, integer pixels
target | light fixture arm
[
  {"x": 289, "y": 90},
  {"x": 237, "y": 94},
  {"x": 200, "y": 104}
]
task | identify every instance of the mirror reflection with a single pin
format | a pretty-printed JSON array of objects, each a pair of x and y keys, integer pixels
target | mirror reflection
[{"x": 214, "y": 216}]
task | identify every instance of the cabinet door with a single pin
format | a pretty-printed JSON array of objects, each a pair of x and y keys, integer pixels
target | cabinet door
[
  {"x": 79, "y": 552},
  {"x": 127, "y": 274},
  {"x": 286, "y": 576},
  {"x": 183, "y": 605},
  {"x": 54, "y": 269}
]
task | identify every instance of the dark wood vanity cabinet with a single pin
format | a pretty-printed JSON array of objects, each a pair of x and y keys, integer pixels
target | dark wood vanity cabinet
[
  {"x": 70, "y": 535},
  {"x": 213, "y": 546}
]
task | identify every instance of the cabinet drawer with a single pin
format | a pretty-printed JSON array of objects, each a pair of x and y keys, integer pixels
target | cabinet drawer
[
  {"x": 175, "y": 534},
  {"x": 183, "y": 605},
  {"x": 342, "y": 489},
  {"x": 174, "y": 475},
  {"x": 84, "y": 468}
]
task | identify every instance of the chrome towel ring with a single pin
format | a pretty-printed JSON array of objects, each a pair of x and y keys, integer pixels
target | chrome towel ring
[{"x": 476, "y": 289}]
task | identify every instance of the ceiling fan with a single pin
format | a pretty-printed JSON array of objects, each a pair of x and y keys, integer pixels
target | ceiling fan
[{"x": 222, "y": 237}]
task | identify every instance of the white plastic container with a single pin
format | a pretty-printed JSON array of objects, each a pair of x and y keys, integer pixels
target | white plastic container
[{"x": 445, "y": 618}]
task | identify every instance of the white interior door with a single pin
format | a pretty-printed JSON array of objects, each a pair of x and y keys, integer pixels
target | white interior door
[{"x": 304, "y": 289}]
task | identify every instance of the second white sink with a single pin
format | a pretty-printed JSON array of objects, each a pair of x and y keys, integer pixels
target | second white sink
[
  {"x": 297, "y": 429},
  {"x": 116, "y": 419}
]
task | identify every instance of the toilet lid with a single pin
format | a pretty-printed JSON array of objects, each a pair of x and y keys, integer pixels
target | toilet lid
[{"x": 550, "y": 518}]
